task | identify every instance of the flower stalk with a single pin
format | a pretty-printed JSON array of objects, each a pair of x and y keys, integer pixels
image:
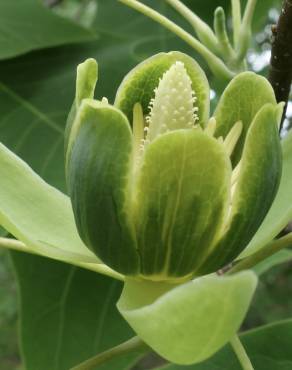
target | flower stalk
[
  {"x": 236, "y": 20},
  {"x": 224, "y": 59},
  {"x": 222, "y": 36},
  {"x": 264, "y": 253},
  {"x": 202, "y": 29},
  {"x": 216, "y": 65}
]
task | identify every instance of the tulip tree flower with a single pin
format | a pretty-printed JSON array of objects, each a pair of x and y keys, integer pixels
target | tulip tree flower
[
  {"x": 179, "y": 194},
  {"x": 162, "y": 196},
  {"x": 162, "y": 193}
]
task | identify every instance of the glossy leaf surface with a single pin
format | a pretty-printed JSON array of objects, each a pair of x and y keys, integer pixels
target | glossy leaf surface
[{"x": 19, "y": 34}]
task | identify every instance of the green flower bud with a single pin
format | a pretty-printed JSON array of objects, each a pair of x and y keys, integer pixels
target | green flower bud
[{"x": 161, "y": 191}]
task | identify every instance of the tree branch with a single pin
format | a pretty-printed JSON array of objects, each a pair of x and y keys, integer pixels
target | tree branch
[{"x": 280, "y": 74}]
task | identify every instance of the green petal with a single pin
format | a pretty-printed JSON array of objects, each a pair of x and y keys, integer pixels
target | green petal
[
  {"x": 280, "y": 213},
  {"x": 139, "y": 84},
  {"x": 188, "y": 323},
  {"x": 98, "y": 175},
  {"x": 38, "y": 214},
  {"x": 86, "y": 80},
  {"x": 182, "y": 196},
  {"x": 85, "y": 85},
  {"x": 256, "y": 188},
  {"x": 245, "y": 95}
]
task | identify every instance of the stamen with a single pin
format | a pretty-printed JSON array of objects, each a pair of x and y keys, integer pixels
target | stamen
[
  {"x": 211, "y": 127},
  {"x": 235, "y": 174},
  {"x": 138, "y": 131},
  {"x": 197, "y": 127},
  {"x": 232, "y": 137}
]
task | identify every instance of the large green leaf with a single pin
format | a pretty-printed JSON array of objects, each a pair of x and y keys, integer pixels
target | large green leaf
[
  {"x": 28, "y": 25},
  {"x": 67, "y": 315},
  {"x": 281, "y": 211},
  {"x": 187, "y": 323},
  {"x": 40, "y": 215},
  {"x": 36, "y": 213},
  {"x": 269, "y": 348},
  {"x": 175, "y": 221}
]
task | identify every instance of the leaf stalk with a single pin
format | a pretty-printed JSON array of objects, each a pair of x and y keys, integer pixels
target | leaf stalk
[
  {"x": 135, "y": 344},
  {"x": 241, "y": 353}
]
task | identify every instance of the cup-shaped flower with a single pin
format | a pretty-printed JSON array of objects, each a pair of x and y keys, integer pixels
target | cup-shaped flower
[{"x": 160, "y": 190}]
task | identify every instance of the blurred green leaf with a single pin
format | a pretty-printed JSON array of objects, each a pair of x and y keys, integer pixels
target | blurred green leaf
[
  {"x": 9, "y": 358},
  {"x": 37, "y": 90},
  {"x": 273, "y": 298},
  {"x": 277, "y": 259},
  {"x": 28, "y": 25},
  {"x": 206, "y": 12},
  {"x": 269, "y": 348},
  {"x": 83, "y": 12},
  {"x": 67, "y": 315}
]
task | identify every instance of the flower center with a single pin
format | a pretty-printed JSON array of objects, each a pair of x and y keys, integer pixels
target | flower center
[
  {"x": 173, "y": 105},
  {"x": 172, "y": 108}
]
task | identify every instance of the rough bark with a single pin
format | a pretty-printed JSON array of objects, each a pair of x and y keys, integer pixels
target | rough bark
[{"x": 280, "y": 74}]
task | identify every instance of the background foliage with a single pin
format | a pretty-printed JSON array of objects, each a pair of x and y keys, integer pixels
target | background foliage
[{"x": 40, "y": 46}]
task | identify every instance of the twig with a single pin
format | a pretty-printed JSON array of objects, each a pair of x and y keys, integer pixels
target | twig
[
  {"x": 259, "y": 256},
  {"x": 280, "y": 74}
]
